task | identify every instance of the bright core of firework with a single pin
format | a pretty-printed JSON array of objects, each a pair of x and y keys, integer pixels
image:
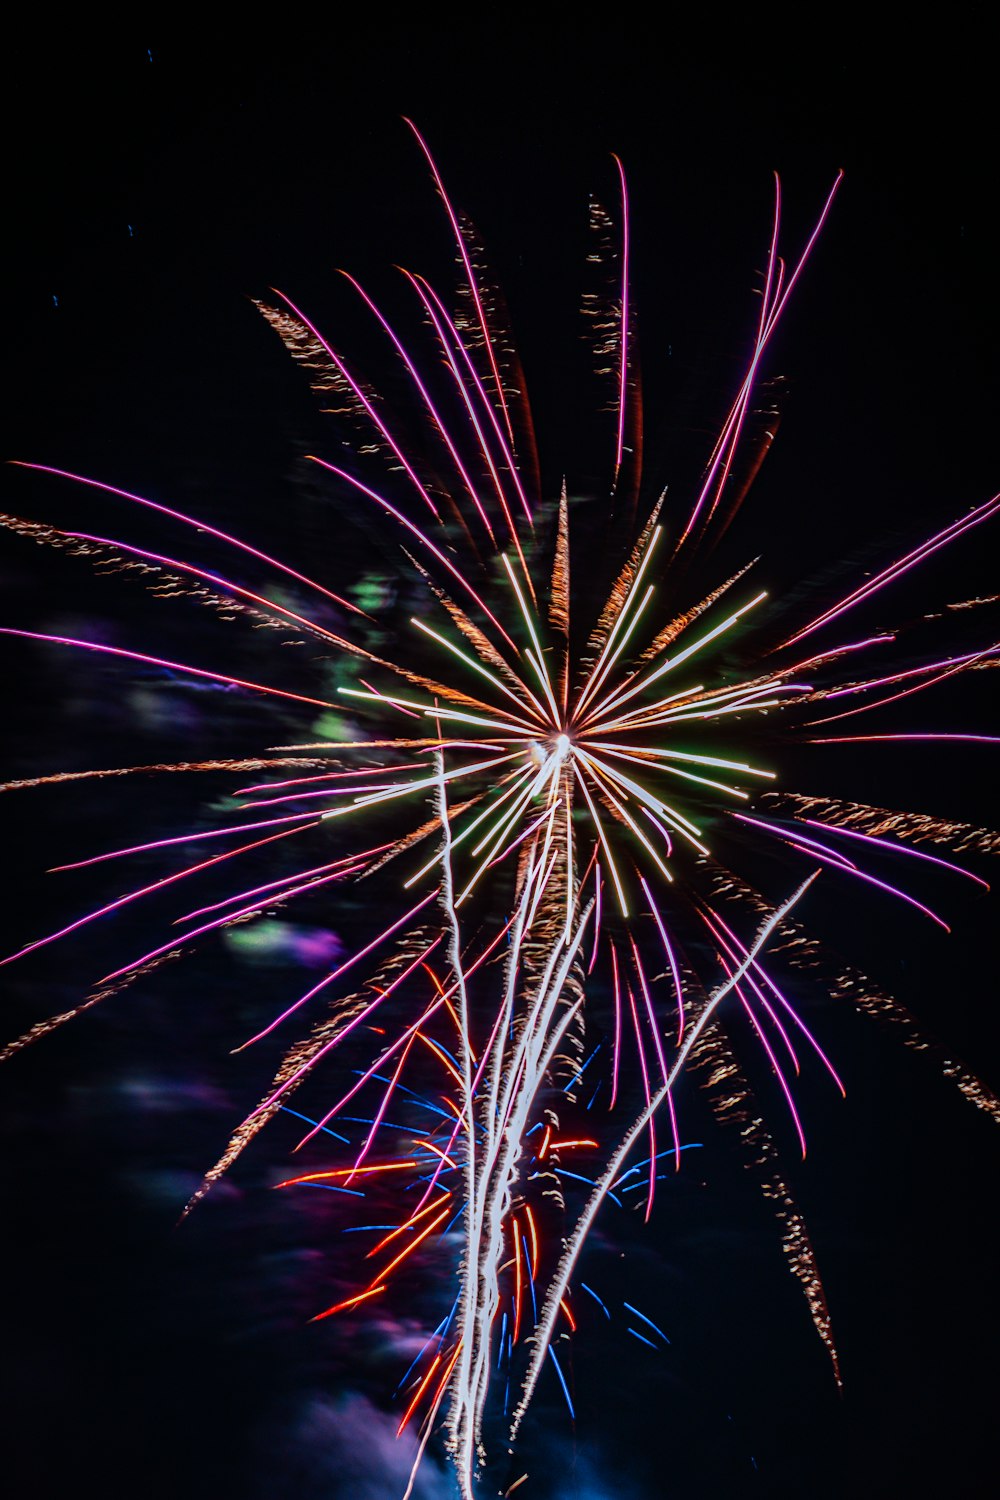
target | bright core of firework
[{"x": 608, "y": 735}]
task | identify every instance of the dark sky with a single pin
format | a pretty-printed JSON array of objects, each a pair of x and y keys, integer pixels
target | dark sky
[{"x": 157, "y": 180}]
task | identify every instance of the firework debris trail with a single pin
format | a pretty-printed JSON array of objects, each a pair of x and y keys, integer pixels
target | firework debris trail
[{"x": 552, "y": 781}]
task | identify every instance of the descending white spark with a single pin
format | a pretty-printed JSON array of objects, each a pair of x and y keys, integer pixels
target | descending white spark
[{"x": 557, "y": 1287}]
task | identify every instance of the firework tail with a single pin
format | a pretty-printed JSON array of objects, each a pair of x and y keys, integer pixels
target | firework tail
[{"x": 560, "y": 1281}]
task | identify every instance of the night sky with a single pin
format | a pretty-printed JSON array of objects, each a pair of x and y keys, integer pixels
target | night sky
[{"x": 157, "y": 182}]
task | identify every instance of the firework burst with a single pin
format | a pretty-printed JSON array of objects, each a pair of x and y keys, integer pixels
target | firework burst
[{"x": 550, "y": 793}]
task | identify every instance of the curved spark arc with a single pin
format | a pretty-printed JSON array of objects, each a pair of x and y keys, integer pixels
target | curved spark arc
[
  {"x": 582, "y": 763},
  {"x": 449, "y": 337},
  {"x": 470, "y": 276},
  {"x": 177, "y": 515},
  {"x": 624, "y": 320}
]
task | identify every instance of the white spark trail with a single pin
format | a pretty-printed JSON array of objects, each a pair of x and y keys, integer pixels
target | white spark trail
[{"x": 557, "y": 1287}]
